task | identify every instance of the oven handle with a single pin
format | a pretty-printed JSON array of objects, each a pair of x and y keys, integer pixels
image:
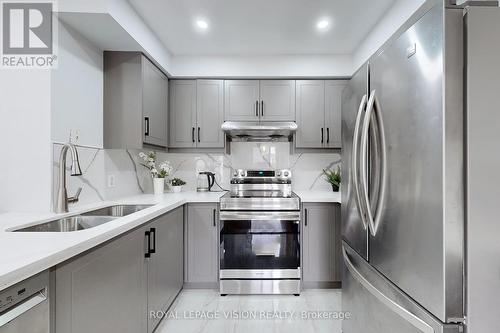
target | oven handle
[{"x": 261, "y": 216}]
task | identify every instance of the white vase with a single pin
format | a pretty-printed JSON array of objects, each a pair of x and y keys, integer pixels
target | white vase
[
  {"x": 177, "y": 189},
  {"x": 158, "y": 185}
]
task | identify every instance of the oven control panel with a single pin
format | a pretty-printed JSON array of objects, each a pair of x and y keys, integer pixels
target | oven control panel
[{"x": 282, "y": 174}]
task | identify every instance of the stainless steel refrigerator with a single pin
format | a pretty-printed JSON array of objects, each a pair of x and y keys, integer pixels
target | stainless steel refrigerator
[{"x": 418, "y": 188}]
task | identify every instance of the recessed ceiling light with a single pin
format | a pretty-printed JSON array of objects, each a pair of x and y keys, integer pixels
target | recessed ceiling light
[
  {"x": 202, "y": 24},
  {"x": 322, "y": 25}
]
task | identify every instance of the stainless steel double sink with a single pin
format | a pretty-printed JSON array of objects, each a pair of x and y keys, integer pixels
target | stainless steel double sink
[{"x": 86, "y": 220}]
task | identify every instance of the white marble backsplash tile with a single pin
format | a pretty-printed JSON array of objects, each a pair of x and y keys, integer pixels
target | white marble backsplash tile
[{"x": 131, "y": 178}]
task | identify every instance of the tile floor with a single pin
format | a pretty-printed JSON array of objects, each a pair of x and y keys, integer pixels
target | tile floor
[{"x": 205, "y": 311}]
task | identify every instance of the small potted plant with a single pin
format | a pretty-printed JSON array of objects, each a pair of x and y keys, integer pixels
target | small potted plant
[
  {"x": 177, "y": 184},
  {"x": 157, "y": 173},
  {"x": 333, "y": 178}
]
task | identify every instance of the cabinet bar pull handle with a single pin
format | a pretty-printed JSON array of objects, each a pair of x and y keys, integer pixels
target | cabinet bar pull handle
[
  {"x": 199, "y": 134},
  {"x": 305, "y": 217},
  {"x": 215, "y": 222},
  {"x": 262, "y": 108},
  {"x": 148, "y": 236},
  {"x": 153, "y": 233},
  {"x": 257, "y": 108},
  {"x": 146, "y": 132},
  {"x": 192, "y": 135},
  {"x": 328, "y": 135},
  {"x": 322, "y": 136}
]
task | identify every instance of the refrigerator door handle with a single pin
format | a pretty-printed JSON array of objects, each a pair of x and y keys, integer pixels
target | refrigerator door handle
[
  {"x": 364, "y": 163},
  {"x": 373, "y": 108},
  {"x": 383, "y": 166},
  {"x": 354, "y": 162},
  {"x": 395, "y": 307}
]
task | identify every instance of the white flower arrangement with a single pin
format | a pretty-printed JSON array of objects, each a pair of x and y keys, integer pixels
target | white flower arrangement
[{"x": 149, "y": 162}]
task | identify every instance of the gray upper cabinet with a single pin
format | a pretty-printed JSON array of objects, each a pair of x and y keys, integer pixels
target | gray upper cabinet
[
  {"x": 321, "y": 243},
  {"x": 196, "y": 113},
  {"x": 154, "y": 104},
  {"x": 333, "y": 116},
  {"x": 310, "y": 114},
  {"x": 210, "y": 113},
  {"x": 165, "y": 266},
  {"x": 241, "y": 100},
  {"x": 277, "y": 100},
  {"x": 319, "y": 113},
  {"x": 264, "y": 100},
  {"x": 202, "y": 245},
  {"x": 135, "y": 102},
  {"x": 103, "y": 290},
  {"x": 182, "y": 113}
]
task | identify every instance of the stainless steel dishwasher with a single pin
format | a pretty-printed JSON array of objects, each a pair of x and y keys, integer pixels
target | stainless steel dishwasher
[{"x": 24, "y": 307}]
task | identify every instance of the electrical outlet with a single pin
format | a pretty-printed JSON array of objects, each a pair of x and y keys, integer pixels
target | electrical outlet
[
  {"x": 111, "y": 181},
  {"x": 74, "y": 135}
]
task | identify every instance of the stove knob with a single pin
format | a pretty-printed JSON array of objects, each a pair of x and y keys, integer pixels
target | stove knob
[
  {"x": 242, "y": 173},
  {"x": 235, "y": 174},
  {"x": 286, "y": 174},
  {"x": 278, "y": 173}
]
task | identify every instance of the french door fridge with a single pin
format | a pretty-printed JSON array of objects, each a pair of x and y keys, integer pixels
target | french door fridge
[{"x": 404, "y": 163}]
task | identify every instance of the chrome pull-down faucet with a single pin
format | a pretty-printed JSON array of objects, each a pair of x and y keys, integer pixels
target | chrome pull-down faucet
[{"x": 62, "y": 200}]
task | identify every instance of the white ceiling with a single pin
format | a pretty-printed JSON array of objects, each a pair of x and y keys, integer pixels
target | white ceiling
[{"x": 261, "y": 27}]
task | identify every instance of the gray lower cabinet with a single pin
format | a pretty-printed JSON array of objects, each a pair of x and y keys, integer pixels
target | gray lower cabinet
[
  {"x": 202, "y": 245},
  {"x": 165, "y": 265},
  {"x": 321, "y": 244},
  {"x": 105, "y": 289},
  {"x": 135, "y": 102},
  {"x": 114, "y": 287},
  {"x": 318, "y": 106}
]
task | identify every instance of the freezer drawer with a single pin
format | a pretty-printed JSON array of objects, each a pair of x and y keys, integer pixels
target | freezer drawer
[{"x": 378, "y": 306}]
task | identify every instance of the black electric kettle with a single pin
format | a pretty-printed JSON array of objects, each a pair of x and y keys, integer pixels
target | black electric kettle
[{"x": 205, "y": 181}]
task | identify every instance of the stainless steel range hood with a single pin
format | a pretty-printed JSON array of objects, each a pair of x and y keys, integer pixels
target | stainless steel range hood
[{"x": 259, "y": 131}]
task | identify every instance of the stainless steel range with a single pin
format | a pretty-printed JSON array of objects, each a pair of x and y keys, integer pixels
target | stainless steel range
[{"x": 260, "y": 234}]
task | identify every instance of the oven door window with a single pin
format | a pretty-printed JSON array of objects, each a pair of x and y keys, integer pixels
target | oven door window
[{"x": 253, "y": 244}]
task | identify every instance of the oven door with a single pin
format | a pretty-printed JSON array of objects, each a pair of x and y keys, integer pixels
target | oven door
[{"x": 260, "y": 245}]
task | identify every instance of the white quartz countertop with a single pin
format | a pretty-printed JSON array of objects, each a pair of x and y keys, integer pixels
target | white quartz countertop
[
  {"x": 318, "y": 196},
  {"x": 24, "y": 254}
]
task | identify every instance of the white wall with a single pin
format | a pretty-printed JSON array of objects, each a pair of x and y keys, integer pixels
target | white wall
[
  {"x": 262, "y": 66},
  {"x": 38, "y": 106},
  {"x": 241, "y": 66},
  {"x": 77, "y": 89},
  {"x": 25, "y": 153},
  {"x": 384, "y": 29},
  {"x": 129, "y": 20}
]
